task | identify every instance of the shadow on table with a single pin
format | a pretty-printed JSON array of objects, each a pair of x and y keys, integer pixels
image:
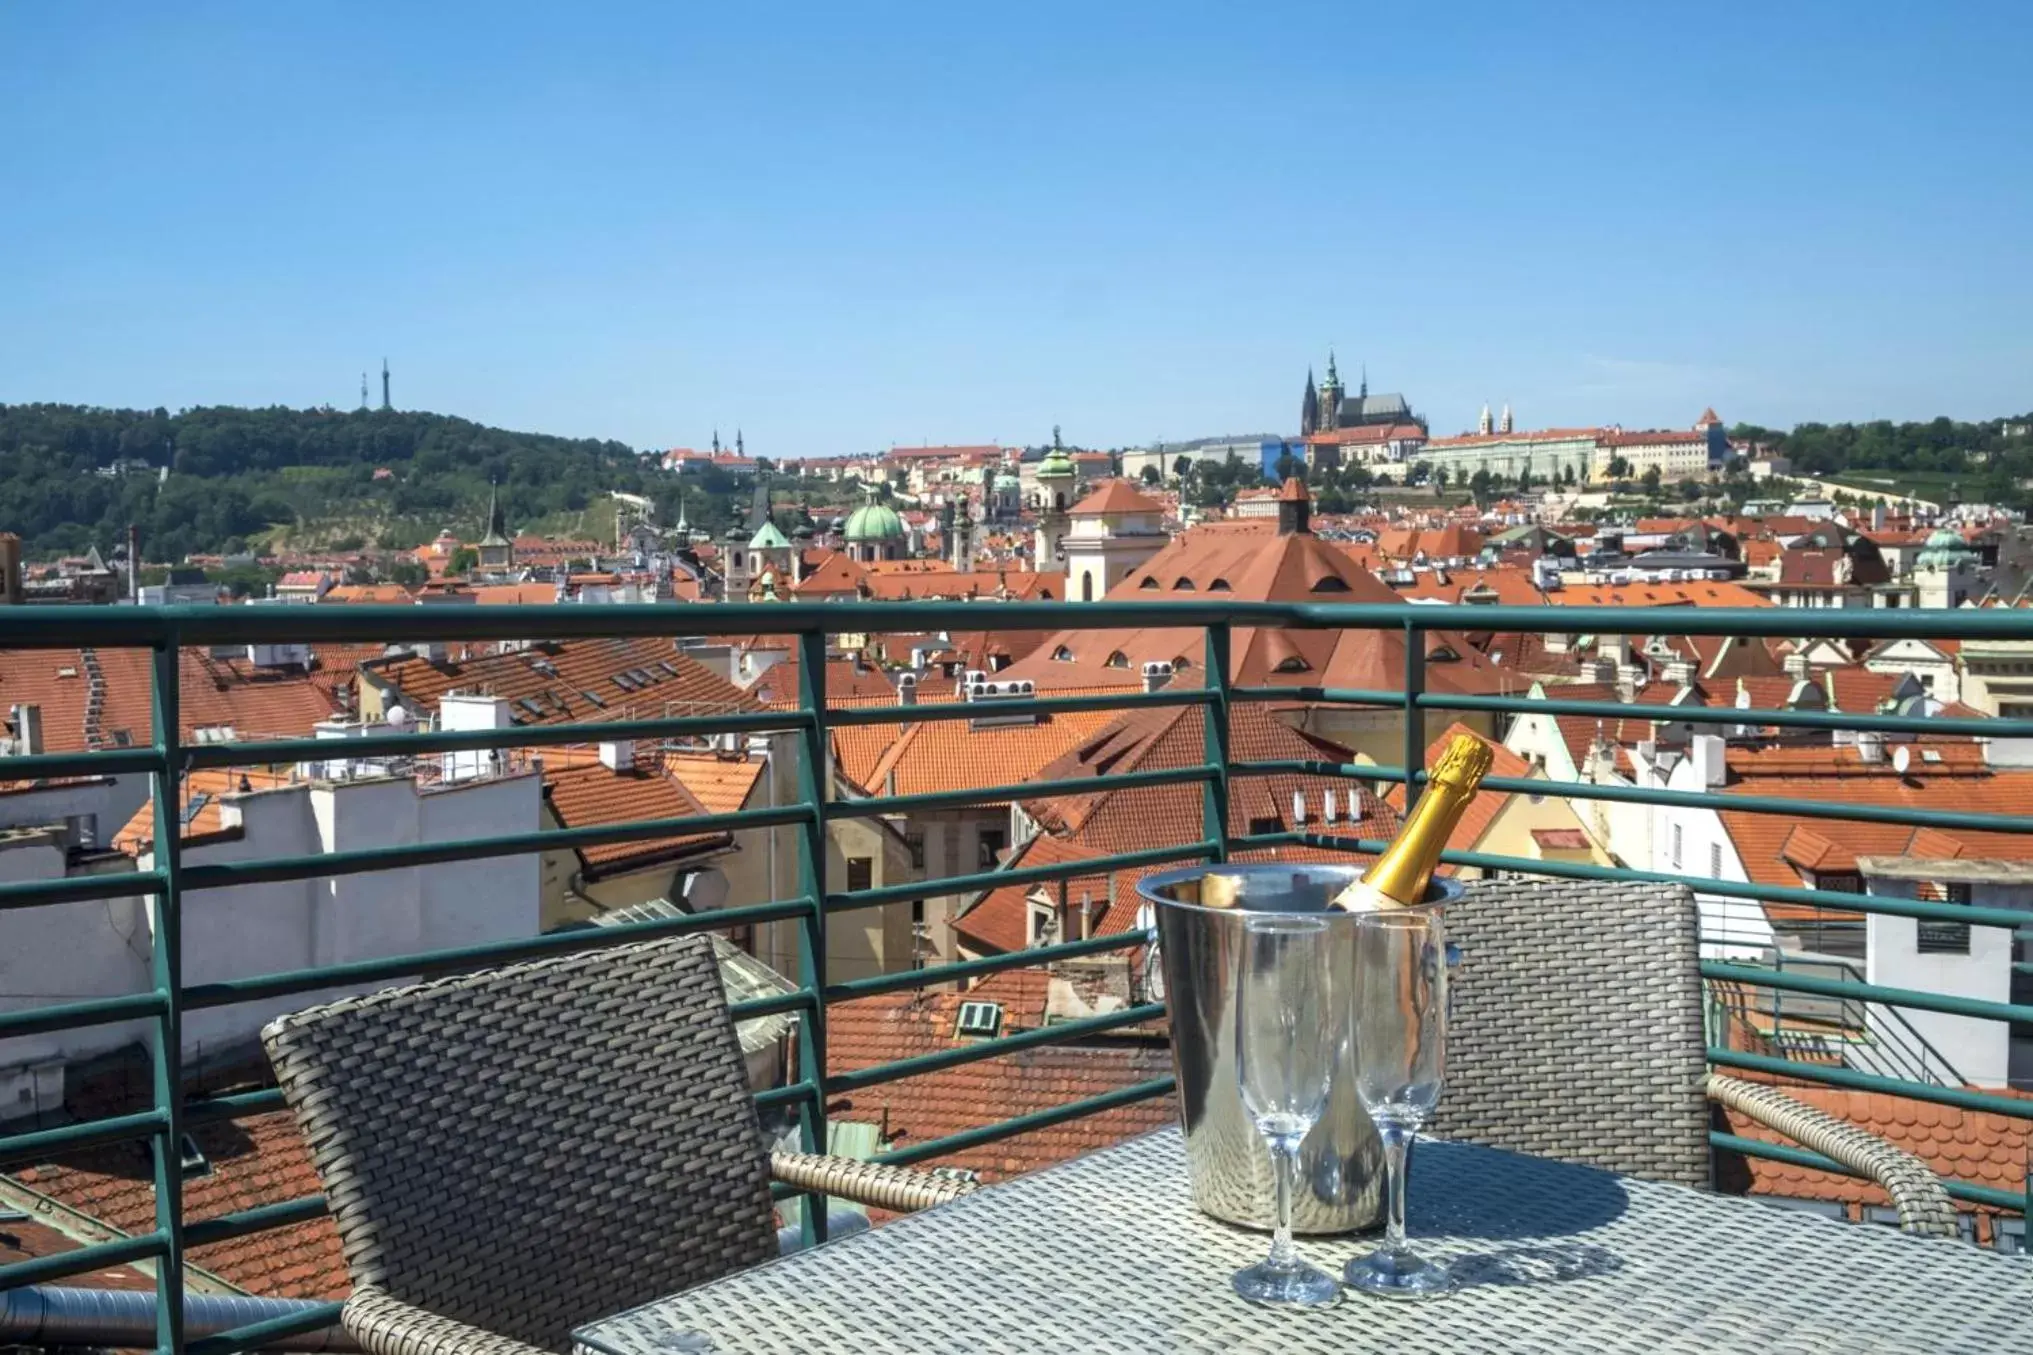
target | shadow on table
[
  {"x": 1461, "y": 1190},
  {"x": 1545, "y": 1263}
]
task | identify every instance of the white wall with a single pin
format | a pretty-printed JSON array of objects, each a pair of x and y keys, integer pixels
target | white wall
[
  {"x": 1978, "y": 1049},
  {"x": 1731, "y": 928},
  {"x": 57, "y": 953},
  {"x": 113, "y": 800},
  {"x": 73, "y": 951}
]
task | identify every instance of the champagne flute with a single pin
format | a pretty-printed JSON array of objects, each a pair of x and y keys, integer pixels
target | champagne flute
[
  {"x": 1401, "y": 1014},
  {"x": 1290, "y": 1027}
]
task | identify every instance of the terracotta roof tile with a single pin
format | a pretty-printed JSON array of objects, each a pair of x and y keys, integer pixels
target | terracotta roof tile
[
  {"x": 641, "y": 678},
  {"x": 585, "y": 793}
]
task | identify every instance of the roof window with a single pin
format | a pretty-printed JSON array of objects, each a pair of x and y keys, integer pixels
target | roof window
[
  {"x": 1062, "y": 655},
  {"x": 979, "y": 1019},
  {"x": 1182, "y": 585}
]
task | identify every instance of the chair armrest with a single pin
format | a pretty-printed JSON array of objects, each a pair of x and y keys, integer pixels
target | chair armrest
[
  {"x": 385, "y": 1325},
  {"x": 902, "y": 1189},
  {"x": 1924, "y": 1207}
]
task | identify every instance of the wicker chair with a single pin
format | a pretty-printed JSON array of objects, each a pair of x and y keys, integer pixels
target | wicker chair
[
  {"x": 1577, "y": 1034},
  {"x": 513, "y": 1153}
]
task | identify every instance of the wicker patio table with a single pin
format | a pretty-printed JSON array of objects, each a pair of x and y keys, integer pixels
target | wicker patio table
[{"x": 1107, "y": 1253}]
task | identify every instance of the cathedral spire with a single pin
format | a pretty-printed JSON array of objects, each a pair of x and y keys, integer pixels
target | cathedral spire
[
  {"x": 738, "y": 449},
  {"x": 716, "y": 442},
  {"x": 1364, "y": 391}
]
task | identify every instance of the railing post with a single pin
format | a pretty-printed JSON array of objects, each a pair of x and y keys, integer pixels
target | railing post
[
  {"x": 814, "y": 782},
  {"x": 1214, "y": 824},
  {"x": 1414, "y": 759},
  {"x": 166, "y": 969}
]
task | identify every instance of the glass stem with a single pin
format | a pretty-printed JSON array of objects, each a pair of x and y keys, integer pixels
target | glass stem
[
  {"x": 1397, "y": 1143},
  {"x": 1284, "y": 1165}
]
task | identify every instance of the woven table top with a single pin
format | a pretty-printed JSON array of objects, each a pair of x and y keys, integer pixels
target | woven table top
[{"x": 1107, "y": 1253}]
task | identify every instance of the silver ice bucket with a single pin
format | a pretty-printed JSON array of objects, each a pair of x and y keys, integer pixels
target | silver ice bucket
[{"x": 1341, "y": 1162}]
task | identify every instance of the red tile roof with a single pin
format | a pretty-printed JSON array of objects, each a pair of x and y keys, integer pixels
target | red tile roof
[
  {"x": 1959, "y": 1145},
  {"x": 933, "y": 1105},
  {"x": 214, "y": 692},
  {"x": 1117, "y": 496},
  {"x": 583, "y": 792},
  {"x": 555, "y": 676}
]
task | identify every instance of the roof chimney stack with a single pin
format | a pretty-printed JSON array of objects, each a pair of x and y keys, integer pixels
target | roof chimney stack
[
  {"x": 1295, "y": 508},
  {"x": 27, "y": 730},
  {"x": 1157, "y": 675}
]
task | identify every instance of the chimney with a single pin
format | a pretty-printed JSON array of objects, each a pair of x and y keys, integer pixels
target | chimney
[
  {"x": 1680, "y": 672},
  {"x": 1795, "y": 665},
  {"x": 1710, "y": 758},
  {"x": 1295, "y": 508},
  {"x": 1870, "y": 746},
  {"x": 618, "y": 757},
  {"x": 27, "y": 730},
  {"x": 1157, "y": 675},
  {"x": 907, "y": 689},
  {"x": 1600, "y": 670}
]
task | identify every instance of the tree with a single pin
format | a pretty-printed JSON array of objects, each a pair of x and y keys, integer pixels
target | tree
[
  {"x": 1287, "y": 466},
  {"x": 409, "y": 574},
  {"x": 1439, "y": 477},
  {"x": 1479, "y": 485},
  {"x": 1150, "y": 474},
  {"x": 1183, "y": 467},
  {"x": 463, "y": 561},
  {"x": 1567, "y": 475},
  {"x": 1619, "y": 468},
  {"x": 1689, "y": 490},
  {"x": 1650, "y": 479}
]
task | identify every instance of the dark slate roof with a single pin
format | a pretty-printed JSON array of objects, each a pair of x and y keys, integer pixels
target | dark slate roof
[{"x": 1372, "y": 409}]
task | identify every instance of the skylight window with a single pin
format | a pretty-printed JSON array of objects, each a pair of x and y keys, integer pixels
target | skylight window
[
  {"x": 195, "y": 806},
  {"x": 979, "y": 1019}
]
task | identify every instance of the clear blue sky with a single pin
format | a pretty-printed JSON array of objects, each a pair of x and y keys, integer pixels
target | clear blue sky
[{"x": 839, "y": 226}]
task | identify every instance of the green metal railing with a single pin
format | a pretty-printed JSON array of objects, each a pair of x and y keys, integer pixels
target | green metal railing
[{"x": 167, "y": 759}]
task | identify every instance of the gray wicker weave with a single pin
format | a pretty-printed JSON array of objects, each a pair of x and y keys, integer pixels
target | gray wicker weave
[
  {"x": 1576, "y": 1026},
  {"x": 1108, "y": 1254},
  {"x": 1577, "y": 1034},
  {"x": 511, "y": 1153}
]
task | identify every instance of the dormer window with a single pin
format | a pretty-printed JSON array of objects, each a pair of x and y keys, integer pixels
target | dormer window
[
  {"x": 1294, "y": 664},
  {"x": 1331, "y": 583},
  {"x": 1218, "y": 586},
  {"x": 1184, "y": 585},
  {"x": 1148, "y": 583},
  {"x": 1118, "y": 660},
  {"x": 1062, "y": 655}
]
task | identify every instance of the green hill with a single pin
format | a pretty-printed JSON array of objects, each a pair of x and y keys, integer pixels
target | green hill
[{"x": 72, "y": 476}]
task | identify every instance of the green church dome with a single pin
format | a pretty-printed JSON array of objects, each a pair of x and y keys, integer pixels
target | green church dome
[
  {"x": 1945, "y": 549},
  {"x": 875, "y": 522}
]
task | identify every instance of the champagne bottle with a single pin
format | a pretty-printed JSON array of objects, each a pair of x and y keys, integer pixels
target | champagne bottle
[{"x": 1400, "y": 876}]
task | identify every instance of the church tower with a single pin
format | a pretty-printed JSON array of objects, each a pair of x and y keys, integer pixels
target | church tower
[
  {"x": 1330, "y": 398},
  {"x": 1309, "y": 409},
  {"x": 1504, "y": 426},
  {"x": 1055, "y": 496},
  {"x": 1485, "y": 425}
]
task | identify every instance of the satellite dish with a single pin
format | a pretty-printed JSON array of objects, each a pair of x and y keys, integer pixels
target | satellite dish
[{"x": 1902, "y": 758}]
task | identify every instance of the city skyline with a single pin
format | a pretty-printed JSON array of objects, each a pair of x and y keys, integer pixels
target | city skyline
[{"x": 844, "y": 234}]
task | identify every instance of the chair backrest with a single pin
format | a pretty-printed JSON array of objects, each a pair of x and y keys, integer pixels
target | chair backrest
[
  {"x": 532, "y": 1147},
  {"x": 1576, "y": 1029}
]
